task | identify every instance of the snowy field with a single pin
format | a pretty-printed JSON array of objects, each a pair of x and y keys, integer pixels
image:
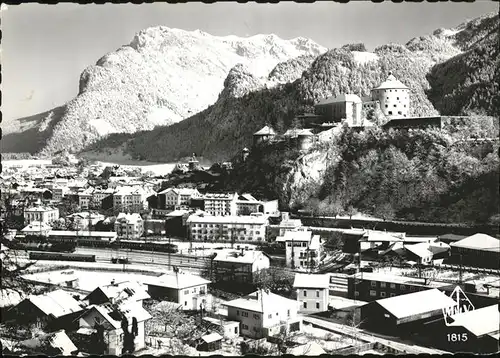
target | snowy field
[
  {"x": 88, "y": 280},
  {"x": 157, "y": 169},
  {"x": 26, "y": 162},
  {"x": 207, "y": 248}
]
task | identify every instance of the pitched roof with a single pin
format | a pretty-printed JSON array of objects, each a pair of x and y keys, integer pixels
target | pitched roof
[
  {"x": 128, "y": 290},
  {"x": 452, "y": 237},
  {"x": 391, "y": 82},
  {"x": 57, "y": 303},
  {"x": 421, "y": 250},
  {"x": 481, "y": 242},
  {"x": 247, "y": 257},
  {"x": 129, "y": 309},
  {"x": 178, "y": 281},
  {"x": 372, "y": 235},
  {"x": 311, "y": 281},
  {"x": 261, "y": 301},
  {"x": 212, "y": 337},
  {"x": 295, "y": 236},
  {"x": 479, "y": 322},
  {"x": 416, "y": 303},
  {"x": 344, "y": 97},
  {"x": 59, "y": 340},
  {"x": 266, "y": 130}
]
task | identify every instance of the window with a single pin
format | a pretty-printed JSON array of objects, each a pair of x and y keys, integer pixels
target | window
[
  {"x": 256, "y": 316},
  {"x": 382, "y": 294},
  {"x": 386, "y": 106},
  {"x": 373, "y": 293},
  {"x": 390, "y": 112},
  {"x": 244, "y": 326},
  {"x": 270, "y": 316},
  {"x": 399, "y": 112},
  {"x": 237, "y": 312},
  {"x": 244, "y": 314},
  {"x": 394, "y": 106},
  {"x": 392, "y": 295},
  {"x": 382, "y": 284},
  {"x": 317, "y": 305},
  {"x": 397, "y": 98},
  {"x": 186, "y": 292},
  {"x": 393, "y": 285},
  {"x": 288, "y": 313},
  {"x": 402, "y": 287},
  {"x": 317, "y": 293},
  {"x": 305, "y": 293},
  {"x": 185, "y": 303},
  {"x": 356, "y": 293},
  {"x": 305, "y": 304},
  {"x": 236, "y": 330},
  {"x": 374, "y": 283}
]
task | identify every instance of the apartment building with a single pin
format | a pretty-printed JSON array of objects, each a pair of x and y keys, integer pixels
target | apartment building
[
  {"x": 239, "y": 266},
  {"x": 368, "y": 286},
  {"x": 172, "y": 197},
  {"x": 263, "y": 314},
  {"x": 220, "y": 204},
  {"x": 302, "y": 249},
  {"x": 227, "y": 228},
  {"x": 247, "y": 204},
  {"x": 132, "y": 199},
  {"x": 44, "y": 214},
  {"x": 129, "y": 226},
  {"x": 312, "y": 292},
  {"x": 288, "y": 224}
]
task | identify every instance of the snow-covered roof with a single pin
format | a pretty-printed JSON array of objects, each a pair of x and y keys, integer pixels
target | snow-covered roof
[
  {"x": 266, "y": 130},
  {"x": 261, "y": 301},
  {"x": 391, "y": 83},
  {"x": 59, "y": 340},
  {"x": 311, "y": 281},
  {"x": 480, "y": 321},
  {"x": 295, "y": 236},
  {"x": 416, "y": 303},
  {"x": 212, "y": 337},
  {"x": 129, "y": 218},
  {"x": 129, "y": 309},
  {"x": 308, "y": 349},
  {"x": 57, "y": 303},
  {"x": 247, "y": 257},
  {"x": 242, "y": 219},
  {"x": 421, "y": 250},
  {"x": 344, "y": 97},
  {"x": 128, "y": 290},
  {"x": 480, "y": 242},
  {"x": 177, "y": 281}
]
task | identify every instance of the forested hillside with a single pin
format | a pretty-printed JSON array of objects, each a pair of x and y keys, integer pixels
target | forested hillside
[{"x": 450, "y": 71}]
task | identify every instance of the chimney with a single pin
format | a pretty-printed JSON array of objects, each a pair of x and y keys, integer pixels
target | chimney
[{"x": 242, "y": 253}]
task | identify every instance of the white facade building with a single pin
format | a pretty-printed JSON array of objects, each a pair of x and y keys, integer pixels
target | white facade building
[
  {"x": 44, "y": 214},
  {"x": 312, "y": 292},
  {"x": 129, "y": 226},
  {"x": 393, "y": 96},
  {"x": 173, "y": 197},
  {"x": 302, "y": 248},
  {"x": 227, "y": 228},
  {"x": 220, "y": 204}
]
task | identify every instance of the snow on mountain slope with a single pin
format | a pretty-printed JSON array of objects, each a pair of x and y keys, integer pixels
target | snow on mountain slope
[
  {"x": 364, "y": 57},
  {"x": 163, "y": 76}
]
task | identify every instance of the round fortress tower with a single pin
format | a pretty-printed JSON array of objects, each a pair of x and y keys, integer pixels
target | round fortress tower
[{"x": 394, "y": 97}]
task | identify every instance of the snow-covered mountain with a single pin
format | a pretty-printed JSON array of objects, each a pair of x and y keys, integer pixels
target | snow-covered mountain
[{"x": 163, "y": 76}]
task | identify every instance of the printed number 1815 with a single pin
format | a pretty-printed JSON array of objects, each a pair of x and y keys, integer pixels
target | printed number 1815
[{"x": 457, "y": 337}]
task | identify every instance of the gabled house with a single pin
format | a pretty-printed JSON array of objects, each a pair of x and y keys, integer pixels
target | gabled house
[
  {"x": 239, "y": 266},
  {"x": 302, "y": 249},
  {"x": 188, "y": 291},
  {"x": 117, "y": 292},
  {"x": 312, "y": 292},
  {"x": 263, "y": 314},
  {"x": 53, "y": 310},
  {"x": 114, "y": 322},
  {"x": 51, "y": 344},
  {"x": 176, "y": 197}
]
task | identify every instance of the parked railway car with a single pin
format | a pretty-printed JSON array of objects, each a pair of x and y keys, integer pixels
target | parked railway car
[
  {"x": 146, "y": 246},
  {"x": 60, "y": 256}
]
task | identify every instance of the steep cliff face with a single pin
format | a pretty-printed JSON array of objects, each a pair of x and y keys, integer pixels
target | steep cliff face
[{"x": 163, "y": 76}]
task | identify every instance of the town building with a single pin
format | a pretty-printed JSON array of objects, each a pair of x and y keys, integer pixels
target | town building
[
  {"x": 264, "y": 135},
  {"x": 189, "y": 292},
  {"x": 227, "y": 228},
  {"x": 36, "y": 228},
  {"x": 132, "y": 199},
  {"x": 312, "y": 292},
  {"x": 130, "y": 226},
  {"x": 239, "y": 266},
  {"x": 173, "y": 198},
  {"x": 247, "y": 204},
  {"x": 264, "y": 314},
  {"x": 223, "y": 204},
  {"x": 82, "y": 220},
  {"x": 302, "y": 249},
  {"x": 337, "y": 108},
  {"x": 230, "y": 329},
  {"x": 478, "y": 250},
  {"x": 118, "y": 292},
  {"x": 44, "y": 214},
  {"x": 50, "y": 311},
  {"x": 288, "y": 224},
  {"x": 369, "y": 286},
  {"x": 404, "y": 311},
  {"x": 110, "y": 318}
]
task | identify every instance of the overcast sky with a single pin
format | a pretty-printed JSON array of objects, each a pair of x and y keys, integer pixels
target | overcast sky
[{"x": 46, "y": 47}]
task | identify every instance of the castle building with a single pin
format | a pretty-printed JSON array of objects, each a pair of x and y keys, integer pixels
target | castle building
[
  {"x": 344, "y": 106},
  {"x": 393, "y": 96}
]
